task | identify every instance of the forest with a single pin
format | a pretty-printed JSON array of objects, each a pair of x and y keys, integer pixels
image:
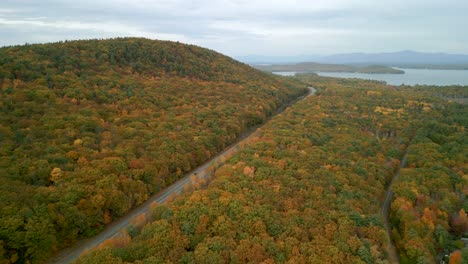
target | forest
[
  {"x": 310, "y": 188},
  {"x": 90, "y": 129}
]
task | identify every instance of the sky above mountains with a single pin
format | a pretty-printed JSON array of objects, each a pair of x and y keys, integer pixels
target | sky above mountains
[{"x": 245, "y": 27}]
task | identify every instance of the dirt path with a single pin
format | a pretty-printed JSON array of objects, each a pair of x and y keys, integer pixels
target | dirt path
[
  {"x": 203, "y": 172},
  {"x": 385, "y": 210}
]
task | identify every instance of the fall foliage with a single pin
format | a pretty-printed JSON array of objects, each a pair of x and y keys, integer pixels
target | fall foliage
[
  {"x": 307, "y": 190},
  {"x": 90, "y": 129}
]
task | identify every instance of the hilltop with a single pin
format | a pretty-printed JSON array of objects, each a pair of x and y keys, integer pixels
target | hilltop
[{"x": 90, "y": 129}]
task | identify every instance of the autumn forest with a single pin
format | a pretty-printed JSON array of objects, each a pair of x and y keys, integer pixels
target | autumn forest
[{"x": 91, "y": 129}]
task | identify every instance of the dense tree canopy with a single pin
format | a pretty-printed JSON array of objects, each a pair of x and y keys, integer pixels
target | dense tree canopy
[
  {"x": 429, "y": 209},
  {"x": 90, "y": 129},
  {"x": 308, "y": 190}
]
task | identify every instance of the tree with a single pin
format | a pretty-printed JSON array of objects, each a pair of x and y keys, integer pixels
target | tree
[{"x": 56, "y": 174}]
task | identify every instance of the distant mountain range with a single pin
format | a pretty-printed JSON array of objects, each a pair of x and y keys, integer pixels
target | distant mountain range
[
  {"x": 396, "y": 58},
  {"x": 321, "y": 67},
  {"x": 400, "y": 58},
  {"x": 260, "y": 59}
]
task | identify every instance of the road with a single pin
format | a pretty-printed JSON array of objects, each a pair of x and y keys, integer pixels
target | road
[
  {"x": 205, "y": 171},
  {"x": 385, "y": 210}
]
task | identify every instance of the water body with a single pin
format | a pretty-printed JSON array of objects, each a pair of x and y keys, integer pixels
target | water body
[{"x": 411, "y": 77}]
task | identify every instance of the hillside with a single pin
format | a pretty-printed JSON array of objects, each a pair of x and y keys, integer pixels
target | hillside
[
  {"x": 90, "y": 129},
  {"x": 310, "y": 188},
  {"x": 319, "y": 67}
]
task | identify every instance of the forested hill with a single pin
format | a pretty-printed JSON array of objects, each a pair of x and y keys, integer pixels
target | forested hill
[
  {"x": 90, "y": 129},
  {"x": 120, "y": 56}
]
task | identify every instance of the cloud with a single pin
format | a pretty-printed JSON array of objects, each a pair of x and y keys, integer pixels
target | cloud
[
  {"x": 106, "y": 28},
  {"x": 242, "y": 27}
]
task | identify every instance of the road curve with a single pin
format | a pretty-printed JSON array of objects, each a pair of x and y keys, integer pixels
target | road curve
[
  {"x": 385, "y": 210},
  {"x": 205, "y": 171}
]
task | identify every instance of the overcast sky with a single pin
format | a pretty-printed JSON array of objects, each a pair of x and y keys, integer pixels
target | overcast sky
[{"x": 247, "y": 27}]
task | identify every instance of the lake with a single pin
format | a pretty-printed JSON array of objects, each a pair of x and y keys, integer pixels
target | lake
[{"x": 411, "y": 76}]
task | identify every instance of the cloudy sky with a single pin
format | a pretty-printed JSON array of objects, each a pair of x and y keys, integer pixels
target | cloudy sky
[{"x": 248, "y": 27}]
